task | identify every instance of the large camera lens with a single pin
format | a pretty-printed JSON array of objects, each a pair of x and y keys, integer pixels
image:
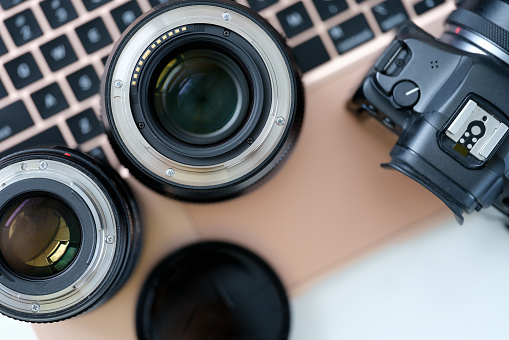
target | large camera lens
[
  {"x": 480, "y": 26},
  {"x": 200, "y": 96},
  {"x": 69, "y": 234},
  {"x": 40, "y": 235},
  {"x": 202, "y": 99}
]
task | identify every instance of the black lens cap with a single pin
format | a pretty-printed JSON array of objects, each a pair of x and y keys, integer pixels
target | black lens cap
[{"x": 213, "y": 290}]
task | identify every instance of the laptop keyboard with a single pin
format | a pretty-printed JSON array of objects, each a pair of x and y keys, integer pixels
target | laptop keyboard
[{"x": 53, "y": 54}]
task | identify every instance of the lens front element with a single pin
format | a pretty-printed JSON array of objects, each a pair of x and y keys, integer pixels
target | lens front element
[
  {"x": 200, "y": 96},
  {"x": 40, "y": 236}
]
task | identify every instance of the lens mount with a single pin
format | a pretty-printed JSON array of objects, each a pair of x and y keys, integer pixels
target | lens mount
[
  {"x": 201, "y": 154},
  {"x": 108, "y": 224}
]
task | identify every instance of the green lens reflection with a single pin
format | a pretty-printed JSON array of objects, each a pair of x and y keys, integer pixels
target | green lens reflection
[{"x": 200, "y": 96}]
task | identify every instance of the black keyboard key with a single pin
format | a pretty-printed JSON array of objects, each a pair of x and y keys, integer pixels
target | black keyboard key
[
  {"x": 99, "y": 154},
  {"x": 58, "y": 53},
  {"x": 23, "y": 27},
  {"x": 3, "y": 91},
  {"x": 426, "y": 5},
  {"x": 94, "y": 35},
  {"x": 390, "y": 14},
  {"x": 93, "y": 4},
  {"x": 50, "y": 137},
  {"x": 294, "y": 19},
  {"x": 58, "y": 12},
  {"x": 351, "y": 33},
  {"x": 23, "y": 70},
  {"x": 155, "y": 3},
  {"x": 84, "y": 126},
  {"x": 13, "y": 119},
  {"x": 84, "y": 83},
  {"x": 310, "y": 54},
  {"x": 258, "y": 5},
  {"x": 49, "y": 100},
  {"x": 329, "y": 8},
  {"x": 126, "y": 14},
  {"x": 3, "y": 48},
  {"x": 6, "y": 4}
]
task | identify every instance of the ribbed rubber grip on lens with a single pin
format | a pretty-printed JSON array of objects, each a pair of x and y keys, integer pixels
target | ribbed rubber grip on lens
[{"x": 484, "y": 27}]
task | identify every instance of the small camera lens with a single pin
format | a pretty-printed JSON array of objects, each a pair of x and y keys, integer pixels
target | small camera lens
[
  {"x": 198, "y": 96},
  {"x": 69, "y": 234},
  {"x": 40, "y": 235}
]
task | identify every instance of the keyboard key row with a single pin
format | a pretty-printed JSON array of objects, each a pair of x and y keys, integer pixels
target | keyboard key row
[
  {"x": 50, "y": 137},
  {"x": 84, "y": 126},
  {"x": 24, "y": 71},
  {"x": 345, "y": 36},
  {"x": 93, "y": 35}
]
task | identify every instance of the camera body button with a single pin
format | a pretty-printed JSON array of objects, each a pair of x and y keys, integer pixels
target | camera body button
[{"x": 406, "y": 94}]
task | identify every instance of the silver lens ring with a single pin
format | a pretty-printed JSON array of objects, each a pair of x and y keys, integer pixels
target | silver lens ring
[
  {"x": 177, "y": 177},
  {"x": 115, "y": 241}
]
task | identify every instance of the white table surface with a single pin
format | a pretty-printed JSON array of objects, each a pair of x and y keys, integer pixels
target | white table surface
[{"x": 450, "y": 282}]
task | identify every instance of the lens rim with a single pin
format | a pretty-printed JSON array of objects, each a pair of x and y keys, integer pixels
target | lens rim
[
  {"x": 234, "y": 176},
  {"x": 110, "y": 202},
  {"x": 258, "y": 109},
  {"x": 51, "y": 284}
]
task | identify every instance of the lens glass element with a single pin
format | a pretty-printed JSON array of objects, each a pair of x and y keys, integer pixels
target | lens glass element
[
  {"x": 40, "y": 235},
  {"x": 200, "y": 96}
]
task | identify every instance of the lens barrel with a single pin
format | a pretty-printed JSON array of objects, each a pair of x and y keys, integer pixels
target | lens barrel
[
  {"x": 69, "y": 235},
  {"x": 480, "y": 26},
  {"x": 202, "y": 99}
]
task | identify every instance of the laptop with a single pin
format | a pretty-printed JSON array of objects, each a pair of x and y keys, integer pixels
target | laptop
[{"x": 329, "y": 205}]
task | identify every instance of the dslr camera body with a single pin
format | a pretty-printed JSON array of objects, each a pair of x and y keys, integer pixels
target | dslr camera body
[{"x": 448, "y": 101}]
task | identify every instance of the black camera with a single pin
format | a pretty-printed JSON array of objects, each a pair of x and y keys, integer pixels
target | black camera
[{"x": 448, "y": 101}]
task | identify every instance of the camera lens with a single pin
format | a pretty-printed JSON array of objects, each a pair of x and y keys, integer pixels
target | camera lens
[
  {"x": 213, "y": 290},
  {"x": 480, "y": 26},
  {"x": 69, "y": 234},
  {"x": 202, "y": 99},
  {"x": 199, "y": 96},
  {"x": 40, "y": 235}
]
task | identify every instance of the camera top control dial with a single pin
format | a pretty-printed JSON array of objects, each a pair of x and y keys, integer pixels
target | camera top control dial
[{"x": 405, "y": 94}]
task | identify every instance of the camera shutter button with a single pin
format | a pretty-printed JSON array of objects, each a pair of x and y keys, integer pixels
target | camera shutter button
[{"x": 406, "y": 94}]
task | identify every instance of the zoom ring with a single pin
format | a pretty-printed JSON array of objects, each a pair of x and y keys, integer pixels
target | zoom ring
[{"x": 482, "y": 26}]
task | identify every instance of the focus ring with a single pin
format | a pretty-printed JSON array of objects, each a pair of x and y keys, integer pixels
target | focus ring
[{"x": 482, "y": 26}]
